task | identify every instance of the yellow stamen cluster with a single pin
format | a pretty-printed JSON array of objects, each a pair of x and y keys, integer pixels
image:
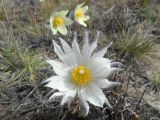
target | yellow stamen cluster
[
  {"x": 81, "y": 75},
  {"x": 58, "y": 21},
  {"x": 79, "y": 13}
]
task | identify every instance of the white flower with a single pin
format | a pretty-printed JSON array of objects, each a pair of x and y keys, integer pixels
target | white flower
[
  {"x": 79, "y": 14},
  {"x": 59, "y": 21},
  {"x": 81, "y": 73}
]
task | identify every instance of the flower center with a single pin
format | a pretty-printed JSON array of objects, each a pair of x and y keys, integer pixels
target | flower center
[
  {"x": 58, "y": 21},
  {"x": 81, "y": 75},
  {"x": 79, "y": 13}
]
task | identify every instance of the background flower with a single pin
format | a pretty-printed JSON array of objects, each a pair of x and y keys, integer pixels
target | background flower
[
  {"x": 79, "y": 14},
  {"x": 59, "y": 21}
]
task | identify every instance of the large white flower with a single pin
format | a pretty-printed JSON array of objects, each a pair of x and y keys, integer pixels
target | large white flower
[
  {"x": 81, "y": 73},
  {"x": 79, "y": 14},
  {"x": 59, "y": 21}
]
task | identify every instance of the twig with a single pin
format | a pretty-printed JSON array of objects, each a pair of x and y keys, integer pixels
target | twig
[
  {"x": 109, "y": 10},
  {"x": 122, "y": 117},
  {"x": 49, "y": 35},
  {"x": 28, "y": 110},
  {"x": 64, "y": 115},
  {"x": 128, "y": 81},
  {"x": 122, "y": 60},
  {"x": 31, "y": 93},
  {"x": 140, "y": 100}
]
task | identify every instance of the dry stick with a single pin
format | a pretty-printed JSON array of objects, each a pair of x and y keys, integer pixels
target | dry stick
[
  {"x": 49, "y": 35},
  {"x": 109, "y": 10},
  {"x": 64, "y": 115},
  {"x": 123, "y": 56},
  {"x": 122, "y": 116},
  {"x": 28, "y": 110},
  {"x": 128, "y": 81},
  {"x": 140, "y": 100},
  {"x": 129, "y": 75},
  {"x": 31, "y": 92}
]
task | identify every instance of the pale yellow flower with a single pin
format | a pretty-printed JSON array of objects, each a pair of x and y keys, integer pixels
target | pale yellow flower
[
  {"x": 79, "y": 14},
  {"x": 59, "y": 21},
  {"x": 41, "y": 0}
]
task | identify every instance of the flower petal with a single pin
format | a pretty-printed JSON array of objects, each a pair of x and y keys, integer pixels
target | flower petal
[
  {"x": 55, "y": 14},
  {"x": 67, "y": 21},
  {"x": 85, "y": 47},
  {"x": 62, "y": 30},
  {"x": 93, "y": 94},
  {"x": 86, "y": 41},
  {"x": 63, "y": 13},
  {"x": 87, "y": 51},
  {"x": 93, "y": 45},
  {"x": 68, "y": 97},
  {"x": 51, "y": 20},
  {"x": 57, "y": 94},
  {"x": 105, "y": 83},
  {"x": 58, "y": 50},
  {"x": 80, "y": 21},
  {"x": 68, "y": 59},
  {"x": 114, "y": 64},
  {"x": 85, "y": 18},
  {"x": 85, "y": 8},
  {"x": 100, "y": 67},
  {"x": 59, "y": 68},
  {"x": 67, "y": 49},
  {"x": 57, "y": 82},
  {"x": 113, "y": 69},
  {"x": 84, "y": 106},
  {"x": 80, "y": 5},
  {"x": 102, "y": 52},
  {"x": 54, "y": 30},
  {"x": 65, "y": 58},
  {"x": 75, "y": 47}
]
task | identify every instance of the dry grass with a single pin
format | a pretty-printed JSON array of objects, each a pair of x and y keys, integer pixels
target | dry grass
[
  {"x": 137, "y": 45},
  {"x": 156, "y": 79},
  {"x": 17, "y": 58},
  {"x": 119, "y": 21},
  {"x": 8, "y": 79},
  {"x": 151, "y": 12}
]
